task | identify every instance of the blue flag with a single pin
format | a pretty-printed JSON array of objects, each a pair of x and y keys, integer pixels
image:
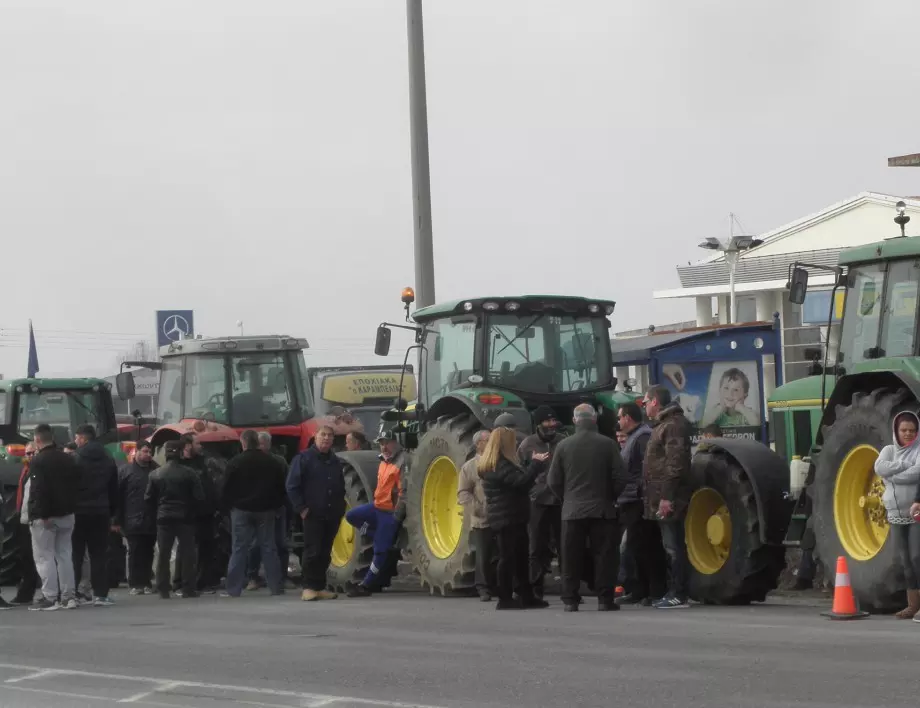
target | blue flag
[{"x": 33, "y": 353}]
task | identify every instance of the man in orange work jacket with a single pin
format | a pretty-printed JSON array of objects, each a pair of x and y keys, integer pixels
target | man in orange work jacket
[{"x": 381, "y": 519}]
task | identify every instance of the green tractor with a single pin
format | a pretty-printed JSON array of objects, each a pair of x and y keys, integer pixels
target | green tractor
[
  {"x": 65, "y": 405},
  {"x": 479, "y": 358},
  {"x": 836, "y": 422}
]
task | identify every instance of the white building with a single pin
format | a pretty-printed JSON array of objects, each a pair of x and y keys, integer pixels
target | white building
[{"x": 761, "y": 274}]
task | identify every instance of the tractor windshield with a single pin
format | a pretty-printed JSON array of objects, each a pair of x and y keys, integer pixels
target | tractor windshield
[
  {"x": 64, "y": 411},
  {"x": 547, "y": 353},
  {"x": 881, "y": 311},
  {"x": 259, "y": 389}
]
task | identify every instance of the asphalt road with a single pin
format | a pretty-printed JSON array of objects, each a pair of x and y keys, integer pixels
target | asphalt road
[{"x": 409, "y": 649}]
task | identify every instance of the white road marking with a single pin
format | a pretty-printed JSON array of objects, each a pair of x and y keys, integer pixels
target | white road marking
[
  {"x": 311, "y": 700},
  {"x": 29, "y": 677},
  {"x": 162, "y": 688},
  {"x": 49, "y": 692}
]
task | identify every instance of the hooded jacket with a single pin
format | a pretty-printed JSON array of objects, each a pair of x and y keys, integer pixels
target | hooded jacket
[
  {"x": 507, "y": 490},
  {"x": 666, "y": 472},
  {"x": 533, "y": 444},
  {"x": 98, "y": 491},
  {"x": 899, "y": 467},
  {"x": 133, "y": 514}
]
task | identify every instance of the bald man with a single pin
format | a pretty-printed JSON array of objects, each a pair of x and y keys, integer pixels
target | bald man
[{"x": 588, "y": 475}]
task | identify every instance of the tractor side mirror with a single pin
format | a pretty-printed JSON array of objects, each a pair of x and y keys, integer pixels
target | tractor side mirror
[
  {"x": 798, "y": 285},
  {"x": 437, "y": 348},
  {"x": 124, "y": 385},
  {"x": 382, "y": 343}
]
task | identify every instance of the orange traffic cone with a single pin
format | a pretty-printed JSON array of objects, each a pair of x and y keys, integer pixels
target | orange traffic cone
[{"x": 844, "y": 607}]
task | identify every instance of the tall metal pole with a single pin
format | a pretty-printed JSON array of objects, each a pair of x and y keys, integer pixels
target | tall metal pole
[
  {"x": 732, "y": 258},
  {"x": 421, "y": 177}
]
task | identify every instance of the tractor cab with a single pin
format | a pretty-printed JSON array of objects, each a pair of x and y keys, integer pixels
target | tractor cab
[
  {"x": 509, "y": 355},
  {"x": 64, "y": 404},
  {"x": 221, "y": 386}
]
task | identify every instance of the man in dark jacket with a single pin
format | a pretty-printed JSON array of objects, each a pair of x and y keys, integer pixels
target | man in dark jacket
[
  {"x": 666, "y": 475},
  {"x": 588, "y": 475},
  {"x": 209, "y": 474},
  {"x": 54, "y": 481},
  {"x": 643, "y": 556},
  {"x": 316, "y": 488},
  {"x": 174, "y": 494},
  {"x": 545, "y": 514},
  {"x": 253, "y": 491},
  {"x": 282, "y": 517},
  {"x": 97, "y": 500},
  {"x": 135, "y": 519}
]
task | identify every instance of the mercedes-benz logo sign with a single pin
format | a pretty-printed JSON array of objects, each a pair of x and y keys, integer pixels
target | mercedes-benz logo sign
[{"x": 175, "y": 327}]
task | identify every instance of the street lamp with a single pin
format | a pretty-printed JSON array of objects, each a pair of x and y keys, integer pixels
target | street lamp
[
  {"x": 901, "y": 219},
  {"x": 732, "y": 250}
]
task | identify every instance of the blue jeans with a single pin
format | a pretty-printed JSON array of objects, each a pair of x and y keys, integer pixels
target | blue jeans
[
  {"x": 381, "y": 526},
  {"x": 255, "y": 552},
  {"x": 672, "y": 538},
  {"x": 247, "y": 525}
]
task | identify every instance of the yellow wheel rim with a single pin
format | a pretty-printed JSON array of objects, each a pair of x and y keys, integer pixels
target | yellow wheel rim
[
  {"x": 442, "y": 517},
  {"x": 343, "y": 545},
  {"x": 859, "y": 515},
  {"x": 708, "y": 531}
]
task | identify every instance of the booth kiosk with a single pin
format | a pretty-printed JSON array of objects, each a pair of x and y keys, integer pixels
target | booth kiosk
[{"x": 720, "y": 375}]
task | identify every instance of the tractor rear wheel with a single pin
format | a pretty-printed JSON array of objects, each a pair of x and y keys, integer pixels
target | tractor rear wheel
[
  {"x": 730, "y": 564},
  {"x": 437, "y": 529},
  {"x": 352, "y": 552},
  {"x": 10, "y": 570},
  {"x": 848, "y": 517}
]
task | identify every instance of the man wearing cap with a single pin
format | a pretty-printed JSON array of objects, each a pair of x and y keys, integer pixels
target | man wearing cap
[
  {"x": 135, "y": 519},
  {"x": 545, "y": 515},
  {"x": 382, "y": 517}
]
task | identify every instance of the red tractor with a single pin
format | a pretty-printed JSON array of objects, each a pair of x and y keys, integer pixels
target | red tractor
[{"x": 217, "y": 388}]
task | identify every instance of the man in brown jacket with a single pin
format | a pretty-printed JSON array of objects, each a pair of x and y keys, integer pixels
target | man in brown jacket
[
  {"x": 666, "y": 474},
  {"x": 470, "y": 495}
]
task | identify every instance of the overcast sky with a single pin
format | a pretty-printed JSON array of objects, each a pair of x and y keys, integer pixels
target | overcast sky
[{"x": 250, "y": 160}]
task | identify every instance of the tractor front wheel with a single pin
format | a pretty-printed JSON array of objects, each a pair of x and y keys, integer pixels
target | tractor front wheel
[
  {"x": 352, "y": 552},
  {"x": 848, "y": 517},
  {"x": 437, "y": 529}
]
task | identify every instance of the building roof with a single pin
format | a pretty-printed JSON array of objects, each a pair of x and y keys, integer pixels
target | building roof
[
  {"x": 766, "y": 266},
  {"x": 636, "y": 350}
]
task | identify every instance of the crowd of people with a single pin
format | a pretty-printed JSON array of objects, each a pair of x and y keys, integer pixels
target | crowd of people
[
  {"x": 529, "y": 500},
  {"x": 575, "y": 497}
]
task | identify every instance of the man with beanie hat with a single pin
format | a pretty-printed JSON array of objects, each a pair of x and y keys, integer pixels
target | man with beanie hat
[{"x": 545, "y": 516}]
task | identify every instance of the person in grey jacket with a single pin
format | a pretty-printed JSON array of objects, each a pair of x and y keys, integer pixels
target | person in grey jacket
[
  {"x": 545, "y": 516},
  {"x": 899, "y": 467},
  {"x": 588, "y": 476},
  {"x": 471, "y": 496}
]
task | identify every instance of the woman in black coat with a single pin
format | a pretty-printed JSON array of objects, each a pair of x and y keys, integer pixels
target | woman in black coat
[{"x": 507, "y": 490}]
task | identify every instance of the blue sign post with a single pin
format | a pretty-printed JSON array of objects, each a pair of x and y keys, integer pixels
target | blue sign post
[{"x": 174, "y": 325}]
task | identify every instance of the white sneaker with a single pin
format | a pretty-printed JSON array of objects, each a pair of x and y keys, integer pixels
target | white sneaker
[
  {"x": 136, "y": 591},
  {"x": 71, "y": 604}
]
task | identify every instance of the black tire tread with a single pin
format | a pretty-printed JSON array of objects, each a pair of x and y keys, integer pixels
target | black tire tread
[
  {"x": 357, "y": 567},
  {"x": 441, "y": 576}
]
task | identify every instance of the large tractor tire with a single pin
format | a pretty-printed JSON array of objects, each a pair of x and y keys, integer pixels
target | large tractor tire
[
  {"x": 731, "y": 563},
  {"x": 352, "y": 552},
  {"x": 10, "y": 569},
  {"x": 437, "y": 529},
  {"x": 848, "y": 517}
]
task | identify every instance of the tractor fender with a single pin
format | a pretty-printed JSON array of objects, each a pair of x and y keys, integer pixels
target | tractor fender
[
  {"x": 365, "y": 463},
  {"x": 453, "y": 405},
  {"x": 769, "y": 477},
  {"x": 867, "y": 381}
]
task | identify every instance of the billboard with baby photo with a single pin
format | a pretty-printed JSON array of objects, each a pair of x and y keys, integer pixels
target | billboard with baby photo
[{"x": 722, "y": 393}]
